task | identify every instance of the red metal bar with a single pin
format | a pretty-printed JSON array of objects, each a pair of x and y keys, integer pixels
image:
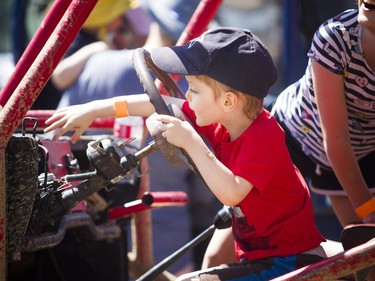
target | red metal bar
[
  {"x": 199, "y": 21},
  {"x": 42, "y": 68},
  {"x": 42, "y": 115},
  {"x": 335, "y": 267},
  {"x": 149, "y": 200},
  {"x": 35, "y": 46},
  {"x": 127, "y": 209},
  {"x": 164, "y": 198}
]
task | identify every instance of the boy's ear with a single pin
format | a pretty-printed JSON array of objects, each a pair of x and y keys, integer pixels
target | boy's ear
[{"x": 230, "y": 101}]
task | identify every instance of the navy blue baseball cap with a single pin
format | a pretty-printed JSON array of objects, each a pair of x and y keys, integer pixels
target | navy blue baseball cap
[{"x": 232, "y": 56}]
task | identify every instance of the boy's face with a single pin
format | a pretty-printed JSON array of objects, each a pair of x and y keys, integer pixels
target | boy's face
[{"x": 202, "y": 100}]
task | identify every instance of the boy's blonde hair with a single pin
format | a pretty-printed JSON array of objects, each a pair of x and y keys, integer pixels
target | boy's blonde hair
[{"x": 253, "y": 105}]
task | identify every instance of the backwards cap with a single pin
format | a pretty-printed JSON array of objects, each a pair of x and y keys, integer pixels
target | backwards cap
[{"x": 232, "y": 56}]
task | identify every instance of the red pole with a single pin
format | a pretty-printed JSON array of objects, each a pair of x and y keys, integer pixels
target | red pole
[
  {"x": 33, "y": 49},
  {"x": 164, "y": 198},
  {"x": 149, "y": 200},
  {"x": 199, "y": 21},
  {"x": 104, "y": 123}
]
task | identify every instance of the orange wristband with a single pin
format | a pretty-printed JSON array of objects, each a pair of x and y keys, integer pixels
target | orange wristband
[
  {"x": 121, "y": 109},
  {"x": 366, "y": 208}
]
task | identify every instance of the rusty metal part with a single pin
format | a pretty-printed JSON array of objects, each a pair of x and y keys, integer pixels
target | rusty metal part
[
  {"x": 21, "y": 187},
  {"x": 73, "y": 220},
  {"x": 16, "y": 103},
  {"x": 3, "y": 222}
]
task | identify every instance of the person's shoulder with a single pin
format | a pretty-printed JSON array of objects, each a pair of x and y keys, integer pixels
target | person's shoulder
[
  {"x": 337, "y": 28},
  {"x": 115, "y": 54},
  {"x": 266, "y": 117},
  {"x": 266, "y": 122},
  {"x": 341, "y": 22},
  {"x": 347, "y": 14},
  {"x": 264, "y": 133},
  {"x": 111, "y": 59}
]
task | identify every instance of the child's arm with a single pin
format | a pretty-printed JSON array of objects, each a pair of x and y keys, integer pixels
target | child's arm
[
  {"x": 79, "y": 117},
  {"x": 227, "y": 187}
]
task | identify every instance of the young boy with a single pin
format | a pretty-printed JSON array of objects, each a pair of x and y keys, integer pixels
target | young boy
[{"x": 229, "y": 71}]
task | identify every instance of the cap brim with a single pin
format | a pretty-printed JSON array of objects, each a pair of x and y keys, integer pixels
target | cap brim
[{"x": 173, "y": 60}]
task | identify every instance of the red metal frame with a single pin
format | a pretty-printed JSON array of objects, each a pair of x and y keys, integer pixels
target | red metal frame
[
  {"x": 105, "y": 123},
  {"x": 337, "y": 266},
  {"x": 203, "y": 15}
]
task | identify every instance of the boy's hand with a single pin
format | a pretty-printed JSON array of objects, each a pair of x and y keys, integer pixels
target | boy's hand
[
  {"x": 177, "y": 132},
  {"x": 77, "y": 117}
]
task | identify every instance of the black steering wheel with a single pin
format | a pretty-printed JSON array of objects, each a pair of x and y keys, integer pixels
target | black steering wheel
[{"x": 143, "y": 65}]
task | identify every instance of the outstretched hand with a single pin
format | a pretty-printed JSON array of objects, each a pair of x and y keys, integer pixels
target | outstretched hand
[{"x": 73, "y": 118}]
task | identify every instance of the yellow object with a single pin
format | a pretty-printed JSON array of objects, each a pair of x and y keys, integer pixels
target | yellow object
[
  {"x": 366, "y": 208},
  {"x": 106, "y": 11},
  {"x": 121, "y": 109}
]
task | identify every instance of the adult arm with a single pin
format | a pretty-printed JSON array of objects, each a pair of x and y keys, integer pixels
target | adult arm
[
  {"x": 69, "y": 69},
  {"x": 330, "y": 97}
]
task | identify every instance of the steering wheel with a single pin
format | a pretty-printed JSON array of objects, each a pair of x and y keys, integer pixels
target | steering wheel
[{"x": 143, "y": 64}]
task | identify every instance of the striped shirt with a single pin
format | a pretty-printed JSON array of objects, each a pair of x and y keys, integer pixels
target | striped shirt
[{"x": 336, "y": 46}]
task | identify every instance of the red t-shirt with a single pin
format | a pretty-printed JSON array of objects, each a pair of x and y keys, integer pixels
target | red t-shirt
[{"x": 276, "y": 217}]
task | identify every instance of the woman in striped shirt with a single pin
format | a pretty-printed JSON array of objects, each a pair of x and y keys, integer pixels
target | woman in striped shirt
[{"x": 329, "y": 114}]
